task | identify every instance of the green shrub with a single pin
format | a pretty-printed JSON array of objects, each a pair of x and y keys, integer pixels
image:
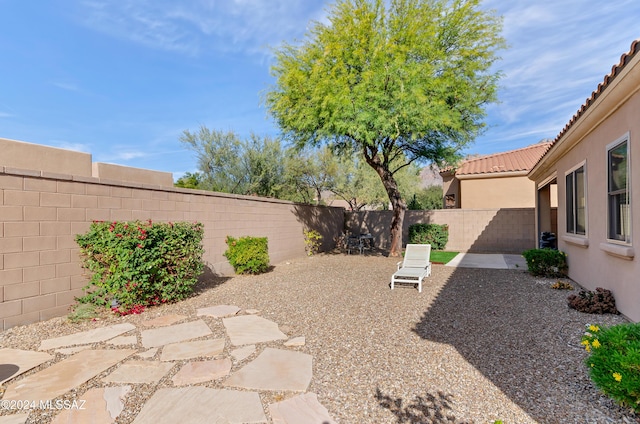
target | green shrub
[
  {"x": 141, "y": 263},
  {"x": 546, "y": 262},
  {"x": 248, "y": 255},
  {"x": 614, "y": 361},
  {"x": 434, "y": 234},
  {"x": 312, "y": 241}
]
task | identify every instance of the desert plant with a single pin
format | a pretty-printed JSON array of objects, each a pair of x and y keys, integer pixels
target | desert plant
[
  {"x": 599, "y": 302},
  {"x": 312, "y": 241},
  {"x": 434, "y": 234},
  {"x": 561, "y": 285},
  {"x": 546, "y": 262},
  {"x": 248, "y": 255},
  {"x": 141, "y": 263},
  {"x": 614, "y": 361}
]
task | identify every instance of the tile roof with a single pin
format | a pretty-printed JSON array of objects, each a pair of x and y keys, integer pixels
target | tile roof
[{"x": 520, "y": 160}]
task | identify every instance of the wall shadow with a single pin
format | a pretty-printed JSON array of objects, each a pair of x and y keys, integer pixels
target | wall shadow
[
  {"x": 507, "y": 231},
  {"x": 326, "y": 220},
  {"x": 434, "y": 409}
]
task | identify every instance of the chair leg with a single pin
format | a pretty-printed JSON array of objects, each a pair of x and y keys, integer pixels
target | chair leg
[
  {"x": 391, "y": 283},
  {"x": 420, "y": 286}
]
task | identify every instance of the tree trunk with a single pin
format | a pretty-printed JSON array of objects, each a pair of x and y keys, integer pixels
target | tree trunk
[{"x": 398, "y": 204}]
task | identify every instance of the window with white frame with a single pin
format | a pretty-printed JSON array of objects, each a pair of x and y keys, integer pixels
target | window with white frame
[
  {"x": 576, "y": 202},
  {"x": 619, "y": 206}
]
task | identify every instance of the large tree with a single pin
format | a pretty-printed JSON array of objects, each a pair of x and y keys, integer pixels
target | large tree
[{"x": 410, "y": 80}]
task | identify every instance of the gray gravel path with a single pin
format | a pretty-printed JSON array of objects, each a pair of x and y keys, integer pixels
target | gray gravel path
[{"x": 477, "y": 345}]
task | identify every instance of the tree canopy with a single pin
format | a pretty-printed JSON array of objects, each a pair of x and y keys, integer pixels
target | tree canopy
[{"x": 405, "y": 81}]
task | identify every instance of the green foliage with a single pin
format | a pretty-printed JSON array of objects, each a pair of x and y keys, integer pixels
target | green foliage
[
  {"x": 312, "y": 241},
  {"x": 428, "y": 198},
  {"x": 434, "y": 234},
  {"x": 248, "y": 255},
  {"x": 614, "y": 361},
  {"x": 189, "y": 180},
  {"x": 141, "y": 263},
  {"x": 407, "y": 79},
  {"x": 546, "y": 262},
  {"x": 599, "y": 302}
]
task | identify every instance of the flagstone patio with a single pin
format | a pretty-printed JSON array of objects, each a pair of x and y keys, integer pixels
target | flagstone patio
[{"x": 191, "y": 347}]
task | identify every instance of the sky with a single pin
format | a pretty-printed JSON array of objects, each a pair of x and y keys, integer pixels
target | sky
[{"x": 122, "y": 79}]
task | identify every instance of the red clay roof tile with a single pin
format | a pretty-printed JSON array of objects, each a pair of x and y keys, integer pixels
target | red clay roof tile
[{"x": 512, "y": 161}]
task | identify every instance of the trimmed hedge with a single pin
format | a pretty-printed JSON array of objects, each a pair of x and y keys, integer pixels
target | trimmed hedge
[
  {"x": 546, "y": 262},
  {"x": 248, "y": 255},
  {"x": 434, "y": 234}
]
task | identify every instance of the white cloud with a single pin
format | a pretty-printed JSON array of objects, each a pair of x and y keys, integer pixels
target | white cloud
[{"x": 6, "y": 115}]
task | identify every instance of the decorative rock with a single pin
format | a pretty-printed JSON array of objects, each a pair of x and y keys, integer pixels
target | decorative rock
[
  {"x": 14, "y": 362},
  {"x": 201, "y": 405},
  {"x": 174, "y": 333},
  {"x": 275, "y": 369},
  {"x": 243, "y": 352},
  {"x": 123, "y": 340},
  {"x": 139, "y": 372},
  {"x": 199, "y": 372},
  {"x": 296, "y": 341},
  {"x": 251, "y": 311},
  {"x": 250, "y": 329},
  {"x": 301, "y": 409},
  {"x": 87, "y": 337},
  {"x": 219, "y": 311},
  {"x": 189, "y": 350},
  {"x": 101, "y": 405},
  {"x": 148, "y": 354},
  {"x": 63, "y": 376},
  {"x": 72, "y": 350},
  {"x": 164, "y": 320}
]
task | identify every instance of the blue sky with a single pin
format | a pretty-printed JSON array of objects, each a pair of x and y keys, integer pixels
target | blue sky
[{"x": 121, "y": 79}]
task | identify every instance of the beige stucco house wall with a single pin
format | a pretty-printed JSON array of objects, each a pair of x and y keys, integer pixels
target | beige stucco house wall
[{"x": 610, "y": 116}]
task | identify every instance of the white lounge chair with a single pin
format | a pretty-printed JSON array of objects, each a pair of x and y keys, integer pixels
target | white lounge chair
[{"x": 415, "y": 266}]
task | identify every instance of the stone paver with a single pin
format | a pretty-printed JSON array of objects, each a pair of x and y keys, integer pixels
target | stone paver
[
  {"x": 65, "y": 375},
  {"x": 14, "y": 419},
  {"x": 251, "y": 329},
  {"x": 296, "y": 341},
  {"x": 148, "y": 353},
  {"x": 275, "y": 369},
  {"x": 199, "y": 372},
  {"x": 243, "y": 352},
  {"x": 101, "y": 405},
  {"x": 87, "y": 337},
  {"x": 219, "y": 311},
  {"x": 164, "y": 320},
  {"x": 201, "y": 405},
  {"x": 174, "y": 333},
  {"x": 72, "y": 350},
  {"x": 140, "y": 372},
  {"x": 189, "y": 350},
  {"x": 123, "y": 341},
  {"x": 301, "y": 409},
  {"x": 14, "y": 362}
]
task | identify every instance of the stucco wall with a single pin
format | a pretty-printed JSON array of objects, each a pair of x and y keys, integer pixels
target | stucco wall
[
  {"x": 593, "y": 265},
  {"x": 503, "y": 192},
  {"x": 40, "y": 214},
  {"x": 470, "y": 230}
]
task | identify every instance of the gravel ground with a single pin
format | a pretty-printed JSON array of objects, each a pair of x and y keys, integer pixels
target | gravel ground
[{"x": 477, "y": 345}]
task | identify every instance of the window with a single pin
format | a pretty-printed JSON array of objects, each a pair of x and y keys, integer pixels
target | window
[
  {"x": 619, "y": 217},
  {"x": 576, "y": 201}
]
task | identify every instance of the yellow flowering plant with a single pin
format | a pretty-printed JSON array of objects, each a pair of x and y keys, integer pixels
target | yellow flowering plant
[{"x": 614, "y": 361}]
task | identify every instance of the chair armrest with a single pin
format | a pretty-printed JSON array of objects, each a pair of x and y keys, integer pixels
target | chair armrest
[{"x": 400, "y": 264}]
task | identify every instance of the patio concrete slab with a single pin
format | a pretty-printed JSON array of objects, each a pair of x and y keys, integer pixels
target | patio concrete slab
[
  {"x": 243, "y": 352},
  {"x": 14, "y": 419},
  {"x": 478, "y": 260},
  {"x": 87, "y": 337},
  {"x": 139, "y": 372},
  {"x": 301, "y": 409},
  {"x": 164, "y": 320},
  {"x": 251, "y": 329},
  {"x": 201, "y": 405},
  {"x": 219, "y": 311},
  {"x": 275, "y": 369},
  {"x": 190, "y": 350},
  {"x": 101, "y": 405},
  {"x": 14, "y": 362},
  {"x": 516, "y": 262},
  {"x": 65, "y": 375},
  {"x": 199, "y": 372},
  {"x": 174, "y": 333}
]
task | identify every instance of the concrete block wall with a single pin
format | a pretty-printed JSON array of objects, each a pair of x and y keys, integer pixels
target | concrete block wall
[
  {"x": 470, "y": 230},
  {"x": 42, "y": 212}
]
